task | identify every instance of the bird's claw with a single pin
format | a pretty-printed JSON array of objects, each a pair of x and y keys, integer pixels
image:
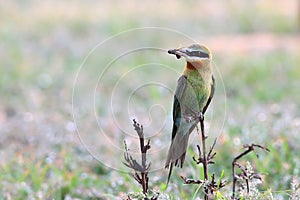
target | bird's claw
[
  {"x": 188, "y": 119},
  {"x": 201, "y": 116}
]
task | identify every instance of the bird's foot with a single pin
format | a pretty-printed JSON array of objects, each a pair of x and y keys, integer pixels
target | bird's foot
[
  {"x": 188, "y": 119},
  {"x": 201, "y": 117}
]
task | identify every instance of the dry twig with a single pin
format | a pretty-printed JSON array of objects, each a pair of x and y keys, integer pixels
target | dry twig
[
  {"x": 140, "y": 170},
  {"x": 244, "y": 175},
  {"x": 210, "y": 186}
]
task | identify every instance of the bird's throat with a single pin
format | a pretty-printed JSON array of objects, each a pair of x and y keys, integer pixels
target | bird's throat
[
  {"x": 190, "y": 66},
  {"x": 200, "y": 69},
  {"x": 197, "y": 65}
]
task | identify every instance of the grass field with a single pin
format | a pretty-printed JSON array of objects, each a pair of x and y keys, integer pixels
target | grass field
[{"x": 75, "y": 73}]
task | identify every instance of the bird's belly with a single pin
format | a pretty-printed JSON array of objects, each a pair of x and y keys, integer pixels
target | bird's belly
[{"x": 194, "y": 98}]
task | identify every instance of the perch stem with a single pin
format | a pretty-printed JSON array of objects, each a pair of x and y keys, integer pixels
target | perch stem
[{"x": 204, "y": 158}]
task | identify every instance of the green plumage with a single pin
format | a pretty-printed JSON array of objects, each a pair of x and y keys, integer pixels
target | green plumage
[{"x": 195, "y": 89}]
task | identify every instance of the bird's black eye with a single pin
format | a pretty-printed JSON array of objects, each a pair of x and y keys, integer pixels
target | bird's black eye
[{"x": 178, "y": 56}]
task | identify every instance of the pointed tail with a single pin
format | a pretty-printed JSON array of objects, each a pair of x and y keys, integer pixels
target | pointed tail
[{"x": 170, "y": 173}]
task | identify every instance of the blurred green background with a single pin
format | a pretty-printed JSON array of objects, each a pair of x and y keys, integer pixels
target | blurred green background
[{"x": 256, "y": 48}]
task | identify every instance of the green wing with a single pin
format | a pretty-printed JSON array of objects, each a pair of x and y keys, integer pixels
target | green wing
[
  {"x": 212, "y": 91},
  {"x": 181, "y": 85}
]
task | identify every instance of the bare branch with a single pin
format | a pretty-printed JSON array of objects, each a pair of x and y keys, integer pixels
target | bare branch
[
  {"x": 130, "y": 162},
  {"x": 205, "y": 159},
  {"x": 245, "y": 175},
  {"x": 211, "y": 155}
]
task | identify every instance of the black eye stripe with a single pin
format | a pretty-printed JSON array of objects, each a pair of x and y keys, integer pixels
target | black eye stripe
[{"x": 197, "y": 54}]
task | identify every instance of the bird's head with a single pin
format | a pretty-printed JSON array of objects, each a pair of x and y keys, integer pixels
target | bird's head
[{"x": 196, "y": 54}]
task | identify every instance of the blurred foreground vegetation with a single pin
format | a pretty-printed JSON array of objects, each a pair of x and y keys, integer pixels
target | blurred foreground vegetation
[{"x": 43, "y": 44}]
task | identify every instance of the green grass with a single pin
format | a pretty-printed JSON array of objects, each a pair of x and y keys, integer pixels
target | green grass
[{"x": 43, "y": 46}]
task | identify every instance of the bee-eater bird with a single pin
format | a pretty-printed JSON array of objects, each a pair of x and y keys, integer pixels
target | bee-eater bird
[{"x": 195, "y": 89}]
